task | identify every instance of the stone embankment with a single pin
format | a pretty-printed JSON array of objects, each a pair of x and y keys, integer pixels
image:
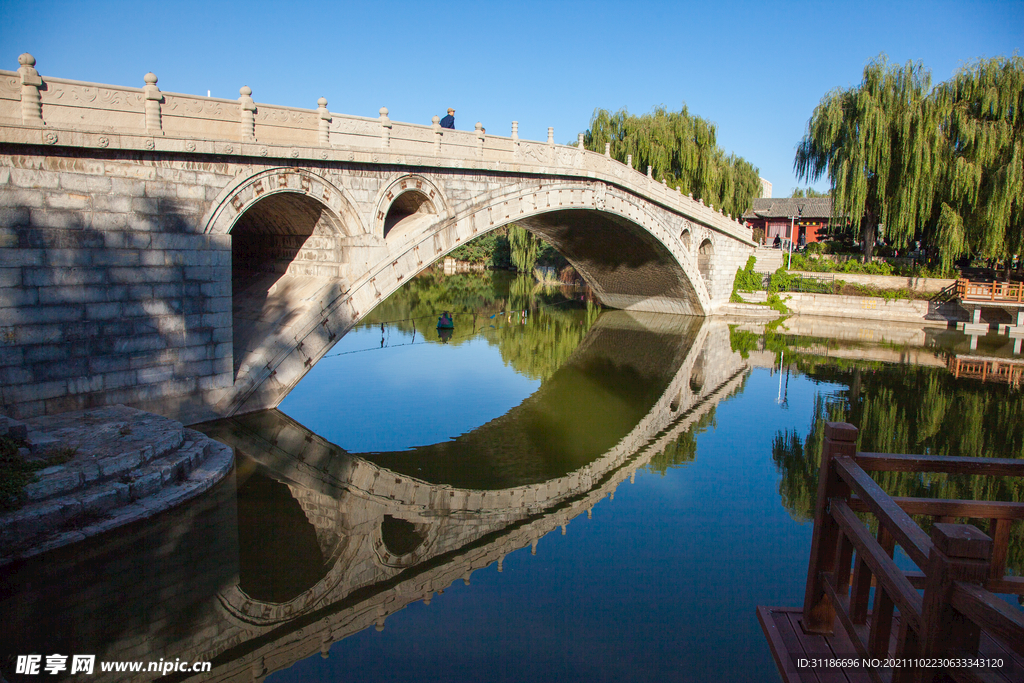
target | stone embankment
[
  {"x": 923, "y": 285},
  {"x": 916, "y": 311},
  {"x": 122, "y": 465}
]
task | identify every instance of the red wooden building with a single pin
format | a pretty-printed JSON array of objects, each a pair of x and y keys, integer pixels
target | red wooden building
[{"x": 801, "y": 219}]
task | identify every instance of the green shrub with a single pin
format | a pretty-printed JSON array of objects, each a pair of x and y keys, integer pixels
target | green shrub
[{"x": 746, "y": 279}]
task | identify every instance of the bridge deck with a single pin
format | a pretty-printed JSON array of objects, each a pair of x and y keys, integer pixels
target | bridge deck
[{"x": 788, "y": 642}]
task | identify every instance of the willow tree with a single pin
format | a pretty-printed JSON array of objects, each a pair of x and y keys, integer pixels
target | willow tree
[
  {"x": 681, "y": 149},
  {"x": 525, "y": 248},
  {"x": 981, "y": 209},
  {"x": 877, "y": 144}
]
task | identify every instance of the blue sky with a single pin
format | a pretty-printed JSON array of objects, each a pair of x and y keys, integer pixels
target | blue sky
[{"x": 756, "y": 69}]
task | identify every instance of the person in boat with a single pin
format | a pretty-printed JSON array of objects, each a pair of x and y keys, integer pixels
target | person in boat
[{"x": 445, "y": 320}]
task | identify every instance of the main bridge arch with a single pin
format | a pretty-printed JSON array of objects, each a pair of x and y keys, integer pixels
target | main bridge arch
[{"x": 332, "y": 264}]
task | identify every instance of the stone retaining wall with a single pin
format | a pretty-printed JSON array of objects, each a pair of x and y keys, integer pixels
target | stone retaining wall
[
  {"x": 873, "y": 308},
  {"x": 928, "y": 285}
]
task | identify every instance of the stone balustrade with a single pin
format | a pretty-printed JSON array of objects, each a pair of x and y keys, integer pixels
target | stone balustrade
[{"x": 62, "y": 112}]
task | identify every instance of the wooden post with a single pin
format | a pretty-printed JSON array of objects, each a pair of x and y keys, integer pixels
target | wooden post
[
  {"x": 961, "y": 553},
  {"x": 819, "y": 612}
]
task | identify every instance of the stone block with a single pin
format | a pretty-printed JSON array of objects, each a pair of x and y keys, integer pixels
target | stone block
[
  {"x": 104, "y": 364},
  {"x": 85, "y": 385},
  {"x": 108, "y": 221},
  {"x": 142, "y": 222},
  {"x": 37, "y": 391},
  {"x": 216, "y": 289},
  {"x": 145, "y": 485},
  {"x": 72, "y": 294},
  {"x": 21, "y": 257},
  {"x": 69, "y": 257},
  {"x": 181, "y": 242},
  {"x": 144, "y": 343},
  {"x": 23, "y": 199},
  {"x": 192, "y": 192},
  {"x": 218, "y": 304},
  {"x": 24, "y": 177},
  {"x": 218, "y": 381},
  {"x": 56, "y": 218},
  {"x": 100, "y": 499},
  {"x": 222, "y": 334},
  {"x": 12, "y": 299},
  {"x": 112, "y": 203},
  {"x": 91, "y": 184},
  {"x": 115, "y": 257},
  {"x": 41, "y": 315},
  {"x": 37, "y": 334},
  {"x": 191, "y": 354},
  {"x": 140, "y": 292},
  {"x": 168, "y": 290},
  {"x": 143, "y": 275},
  {"x": 12, "y": 375},
  {"x": 127, "y": 188},
  {"x": 154, "y": 375},
  {"x": 46, "y": 277},
  {"x": 11, "y": 355},
  {"x": 118, "y": 380},
  {"x": 153, "y": 257},
  {"x": 68, "y": 200},
  {"x": 46, "y": 352},
  {"x": 146, "y": 206}
]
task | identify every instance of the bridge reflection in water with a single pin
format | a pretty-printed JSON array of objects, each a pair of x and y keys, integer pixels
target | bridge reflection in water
[{"x": 307, "y": 544}]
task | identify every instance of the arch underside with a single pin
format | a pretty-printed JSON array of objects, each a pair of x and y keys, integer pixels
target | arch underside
[{"x": 627, "y": 267}]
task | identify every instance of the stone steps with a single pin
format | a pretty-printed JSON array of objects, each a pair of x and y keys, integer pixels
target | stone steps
[
  {"x": 768, "y": 260},
  {"x": 127, "y": 464}
]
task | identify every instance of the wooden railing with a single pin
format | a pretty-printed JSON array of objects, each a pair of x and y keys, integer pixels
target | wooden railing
[
  {"x": 962, "y": 566},
  {"x": 1004, "y": 292},
  {"x": 988, "y": 369}
]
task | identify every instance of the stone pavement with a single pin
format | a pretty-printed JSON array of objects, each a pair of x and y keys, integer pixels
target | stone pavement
[{"x": 124, "y": 465}]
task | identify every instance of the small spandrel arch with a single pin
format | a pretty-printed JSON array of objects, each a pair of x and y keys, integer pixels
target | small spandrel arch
[
  {"x": 685, "y": 238},
  {"x": 407, "y": 208},
  {"x": 705, "y": 257}
]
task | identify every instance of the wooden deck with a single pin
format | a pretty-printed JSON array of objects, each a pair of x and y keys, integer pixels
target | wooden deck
[
  {"x": 992, "y": 292},
  {"x": 1001, "y": 370},
  {"x": 860, "y": 606},
  {"x": 789, "y": 644}
]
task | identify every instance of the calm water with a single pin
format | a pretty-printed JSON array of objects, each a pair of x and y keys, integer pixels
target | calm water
[{"x": 563, "y": 494}]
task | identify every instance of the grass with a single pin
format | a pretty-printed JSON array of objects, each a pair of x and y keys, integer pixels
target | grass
[{"x": 16, "y": 473}]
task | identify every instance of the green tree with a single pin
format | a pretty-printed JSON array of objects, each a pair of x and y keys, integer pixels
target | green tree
[
  {"x": 877, "y": 144},
  {"x": 982, "y": 193},
  {"x": 525, "y": 248},
  {"x": 807, "y": 192},
  {"x": 681, "y": 149}
]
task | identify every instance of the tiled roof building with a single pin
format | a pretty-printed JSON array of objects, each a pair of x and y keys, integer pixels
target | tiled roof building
[{"x": 808, "y": 217}]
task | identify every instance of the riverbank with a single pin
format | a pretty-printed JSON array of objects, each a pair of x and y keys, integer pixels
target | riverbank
[
  {"x": 918, "y": 311},
  {"x": 107, "y": 467}
]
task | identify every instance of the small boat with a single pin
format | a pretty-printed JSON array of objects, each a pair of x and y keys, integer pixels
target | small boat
[{"x": 445, "y": 323}]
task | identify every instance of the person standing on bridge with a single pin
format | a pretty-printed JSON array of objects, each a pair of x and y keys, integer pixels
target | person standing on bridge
[{"x": 449, "y": 121}]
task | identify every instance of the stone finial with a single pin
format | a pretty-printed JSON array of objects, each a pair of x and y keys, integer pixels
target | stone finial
[
  {"x": 324, "y": 131},
  {"x": 427, "y": 597},
  {"x": 533, "y": 547},
  {"x": 154, "y": 124},
  {"x": 435, "y": 124},
  {"x": 563, "y": 529},
  {"x": 664, "y": 183},
  {"x": 551, "y": 135},
  {"x": 247, "y": 120},
  {"x": 31, "y": 104},
  {"x": 629, "y": 160},
  {"x": 650, "y": 171},
  {"x": 579, "y": 141},
  {"x": 515, "y": 132},
  {"x": 608, "y": 149},
  {"x": 480, "y": 135},
  {"x": 385, "y": 128},
  {"x": 465, "y": 577}
]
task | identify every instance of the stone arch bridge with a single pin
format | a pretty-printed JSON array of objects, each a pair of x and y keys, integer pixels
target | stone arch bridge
[{"x": 196, "y": 256}]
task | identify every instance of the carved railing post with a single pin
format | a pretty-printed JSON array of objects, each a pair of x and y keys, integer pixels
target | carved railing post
[
  {"x": 435, "y": 124},
  {"x": 247, "y": 118},
  {"x": 579, "y": 142},
  {"x": 325, "y": 122},
  {"x": 31, "y": 104},
  {"x": 154, "y": 124},
  {"x": 629, "y": 160},
  {"x": 551, "y": 143},
  {"x": 960, "y": 552},
  {"x": 608, "y": 149},
  {"x": 385, "y": 128},
  {"x": 650, "y": 171},
  {"x": 819, "y": 612},
  {"x": 515, "y": 139},
  {"x": 480, "y": 135}
]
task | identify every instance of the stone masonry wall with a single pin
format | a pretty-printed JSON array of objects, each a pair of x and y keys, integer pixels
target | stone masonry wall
[{"x": 109, "y": 292}]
